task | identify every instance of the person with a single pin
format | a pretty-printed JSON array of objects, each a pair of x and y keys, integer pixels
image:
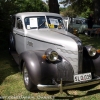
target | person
[{"x": 90, "y": 21}]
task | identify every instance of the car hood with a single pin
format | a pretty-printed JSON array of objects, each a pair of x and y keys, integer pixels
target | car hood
[{"x": 55, "y": 36}]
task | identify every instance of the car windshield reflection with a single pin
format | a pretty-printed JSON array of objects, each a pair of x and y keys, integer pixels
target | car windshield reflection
[
  {"x": 51, "y": 22},
  {"x": 55, "y": 22}
]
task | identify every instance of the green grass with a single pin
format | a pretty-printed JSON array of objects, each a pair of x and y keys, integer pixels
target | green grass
[
  {"x": 87, "y": 40},
  {"x": 12, "y": 86}
]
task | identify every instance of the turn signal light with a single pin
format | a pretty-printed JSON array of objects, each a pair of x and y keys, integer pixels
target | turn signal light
[
  {"x": 98, "y": 50},
  {"x": 44, "y": 57}
]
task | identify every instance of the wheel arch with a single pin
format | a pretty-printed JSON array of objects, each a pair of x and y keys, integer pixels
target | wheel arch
[{"x": 32, "y": 63}]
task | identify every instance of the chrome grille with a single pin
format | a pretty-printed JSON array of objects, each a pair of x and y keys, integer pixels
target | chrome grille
[
  {"x": 80, "y": 58},
  {"x": 64, "y": 71},
  {"x": 80, "y": 48}
]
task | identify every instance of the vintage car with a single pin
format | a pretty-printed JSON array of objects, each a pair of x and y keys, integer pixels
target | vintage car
[
  {"x": 68, "y": 27},
  {"x": 49, "y": 57},
  {"x": 80, "y": 24}
]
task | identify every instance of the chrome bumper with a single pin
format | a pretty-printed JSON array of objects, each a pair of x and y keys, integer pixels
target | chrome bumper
[{"x": 61, "y": 87}]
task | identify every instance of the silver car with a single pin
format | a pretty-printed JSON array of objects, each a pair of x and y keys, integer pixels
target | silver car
[{"x": 49, "y": 57}]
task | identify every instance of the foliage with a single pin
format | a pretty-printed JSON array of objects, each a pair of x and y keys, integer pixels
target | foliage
[
  {"x": 81, "y": 7},
  {"x": 9, "y": 7},
  {"x": 30, "y": 5},
  {"x": 68, "y": 12}
]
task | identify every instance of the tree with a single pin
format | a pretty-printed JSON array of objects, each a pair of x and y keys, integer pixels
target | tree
[
  {"x": 97, "y": 11},
  {"x": 31, "y": 5},
  {"x": 9, "y": 7},
  {"x": 68, "y": 12},
  {"x": 80, "y": 5},
  {"x": 85, "y": 7},
  {"x": 53, "y": 6}
]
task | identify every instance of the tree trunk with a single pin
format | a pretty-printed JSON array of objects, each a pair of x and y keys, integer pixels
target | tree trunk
[
  {"x": 53, "y": 6},
  {"x": 97, "y": 11}
]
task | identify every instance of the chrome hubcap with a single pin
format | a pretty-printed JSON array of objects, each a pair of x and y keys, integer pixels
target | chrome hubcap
[{"x": 26, "y": 76}]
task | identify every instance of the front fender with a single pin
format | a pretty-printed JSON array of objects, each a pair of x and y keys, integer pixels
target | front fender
[
  {"x": 44, "y": 72},
  {"x": 38, "y": 68},
  {"x": 91, "y": 64},
  {"x": 32, "y": 65}
]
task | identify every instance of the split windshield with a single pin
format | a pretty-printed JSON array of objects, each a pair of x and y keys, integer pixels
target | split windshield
[{"x": 35, "y": 22}]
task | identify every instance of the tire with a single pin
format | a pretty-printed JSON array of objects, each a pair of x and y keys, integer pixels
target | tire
[
  {"x": 11, "y": 43},
  {"x": 27, "y": 80}
]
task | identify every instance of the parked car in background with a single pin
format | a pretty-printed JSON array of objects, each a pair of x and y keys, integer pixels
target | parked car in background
[
  {"x": 80, "y": 24},
  {"x": 49, "y": 57},
  {"x": 67, "y": 21}
]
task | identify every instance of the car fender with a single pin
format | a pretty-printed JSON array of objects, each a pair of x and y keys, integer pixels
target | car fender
[
  {"x": 36, "y": 66},
  {"x": 40, "y": 70},
  {"x": 91, "y": 63}
]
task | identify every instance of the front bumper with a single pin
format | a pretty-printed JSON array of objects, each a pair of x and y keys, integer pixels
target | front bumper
[{"x": 62, "y": 87}]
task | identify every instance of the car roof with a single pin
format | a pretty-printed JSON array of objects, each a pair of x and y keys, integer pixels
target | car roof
[
  {"x": 26, "y": 14},
  {"x": 80, "y": 18}
]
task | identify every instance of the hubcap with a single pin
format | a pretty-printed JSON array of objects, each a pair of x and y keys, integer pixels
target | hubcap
[{"x": 26, "y": 76}]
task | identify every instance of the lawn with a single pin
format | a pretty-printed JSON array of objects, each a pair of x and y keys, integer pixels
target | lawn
[{"x": 12, "y": 86}]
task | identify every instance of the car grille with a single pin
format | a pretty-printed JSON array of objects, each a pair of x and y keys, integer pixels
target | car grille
[
  {"x": 64, "y": 71},
  {"x": 80, "y": 58}
]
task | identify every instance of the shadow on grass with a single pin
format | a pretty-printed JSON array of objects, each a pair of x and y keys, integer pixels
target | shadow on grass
[
  {"x": 7, "y": 65},
  {"x": 71, "y": 97}
]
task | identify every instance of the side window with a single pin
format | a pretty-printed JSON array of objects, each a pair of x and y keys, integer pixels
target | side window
[{"x": 19, "y": 23}]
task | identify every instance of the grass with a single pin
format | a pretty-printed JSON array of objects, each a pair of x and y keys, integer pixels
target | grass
[
  {"x": 12, "y": 86},
  {"x": 87, "y": 40}
]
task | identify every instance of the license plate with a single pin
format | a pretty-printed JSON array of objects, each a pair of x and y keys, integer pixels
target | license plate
[{"x": 82, "y": 77}]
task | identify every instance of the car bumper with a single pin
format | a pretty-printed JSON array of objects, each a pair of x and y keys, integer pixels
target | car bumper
[{"x": 61, "y": 87}]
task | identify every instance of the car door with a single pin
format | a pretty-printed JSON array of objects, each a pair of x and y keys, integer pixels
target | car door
[{"x": 18, "y": 32}]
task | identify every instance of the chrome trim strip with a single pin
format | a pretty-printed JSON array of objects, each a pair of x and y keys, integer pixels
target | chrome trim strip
[
  {"x": 38, "y": 39},
  {"x": 80, "y": 59},
  {"x": 67, "y": 86}
]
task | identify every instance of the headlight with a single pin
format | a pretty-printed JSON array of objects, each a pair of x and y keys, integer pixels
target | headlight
[
  {"x": 51, "y": 55},
  {"x": 92, "y": 51},
  {"x": 75, "y": 32}
]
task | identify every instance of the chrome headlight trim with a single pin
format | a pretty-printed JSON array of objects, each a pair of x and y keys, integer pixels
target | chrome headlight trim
[
  {"x": 80, "y": 46},
  {"x": 92, "y": 51},
  {"x": 51, "y": 55}
]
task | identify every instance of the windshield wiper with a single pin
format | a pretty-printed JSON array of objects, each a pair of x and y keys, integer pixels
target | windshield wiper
[{"x": 41, "y": 24}]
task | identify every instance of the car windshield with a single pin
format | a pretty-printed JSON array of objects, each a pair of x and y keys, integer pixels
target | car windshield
[
  {"x": 35, "y": 22},
  {"x": 80, "y": 21},
  {"x": 55, "y": 22}
]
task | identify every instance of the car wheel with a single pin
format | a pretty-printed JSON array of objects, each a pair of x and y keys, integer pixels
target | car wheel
[
  {"x": 11, "y": 43},
  {"x": 27, "y": 80}
]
